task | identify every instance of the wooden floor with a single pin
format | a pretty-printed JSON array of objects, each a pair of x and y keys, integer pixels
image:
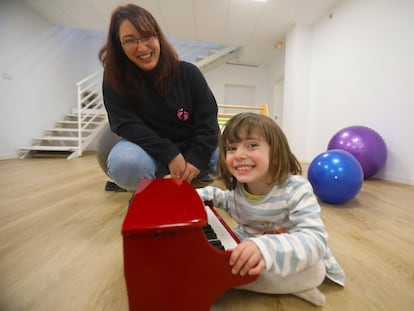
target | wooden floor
[{"x": 61, "y": 247}]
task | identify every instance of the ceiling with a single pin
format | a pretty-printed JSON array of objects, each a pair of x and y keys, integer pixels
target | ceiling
[{"x": 256, "y": 26}]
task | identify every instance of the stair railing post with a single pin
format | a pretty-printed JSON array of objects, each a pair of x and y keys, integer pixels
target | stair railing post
[{"x": 79, "y": 152}]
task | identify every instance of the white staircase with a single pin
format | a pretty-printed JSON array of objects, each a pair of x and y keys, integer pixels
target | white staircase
[
  {"x": 216, "y": 58},
  {"x": 72, "y": 135}
]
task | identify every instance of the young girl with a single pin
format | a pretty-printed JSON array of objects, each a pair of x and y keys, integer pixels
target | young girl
[{"x": 283, "y": 238}]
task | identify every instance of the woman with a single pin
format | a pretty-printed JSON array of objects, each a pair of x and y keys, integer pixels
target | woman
[{"x": 161, "y": 107}]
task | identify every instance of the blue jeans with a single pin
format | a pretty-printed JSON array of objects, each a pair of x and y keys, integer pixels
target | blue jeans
[{"x": 128, "y": 163}]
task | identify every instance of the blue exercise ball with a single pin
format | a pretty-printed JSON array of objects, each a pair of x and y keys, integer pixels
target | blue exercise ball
[
  {"x": 336, "y": 176},
  {"x": 365, "y": 144}
]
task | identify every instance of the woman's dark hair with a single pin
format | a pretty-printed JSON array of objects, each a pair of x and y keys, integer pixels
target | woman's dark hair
[
  {"x": 282, "y": 161},
  {"x": 123, "y": 75}
]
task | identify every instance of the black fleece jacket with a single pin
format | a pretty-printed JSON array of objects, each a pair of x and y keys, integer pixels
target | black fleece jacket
[{"x": 184, "y": 122}]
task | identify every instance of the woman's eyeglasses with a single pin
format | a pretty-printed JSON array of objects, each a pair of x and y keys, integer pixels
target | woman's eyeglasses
[{"x": 130, "y": 41}]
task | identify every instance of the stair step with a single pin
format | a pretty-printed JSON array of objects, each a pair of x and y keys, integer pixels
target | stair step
[
  {"x": 62, "y": 129},
  {"x": 69, "y": 122},
  {"x": 74, "y": 117},
  {"x": 101, "y": 110},
  {"x": 50, "y": 148},
  {"x": 74, "y": 124},
  {"x": 98, "y": 114},
  {"x": 93, "y": 112},
  {"x": 58, "y": 138}
]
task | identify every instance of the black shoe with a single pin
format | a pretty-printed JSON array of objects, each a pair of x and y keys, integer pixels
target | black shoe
[
  {"x": 111, "y": 186},
  {"x": 130, "y": 199}
]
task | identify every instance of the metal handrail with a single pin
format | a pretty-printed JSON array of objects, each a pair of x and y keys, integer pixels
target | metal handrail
[{"x": 90, "y": 104}]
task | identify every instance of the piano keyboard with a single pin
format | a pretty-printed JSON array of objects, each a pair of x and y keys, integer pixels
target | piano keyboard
[{"x": 217, "y": 233}]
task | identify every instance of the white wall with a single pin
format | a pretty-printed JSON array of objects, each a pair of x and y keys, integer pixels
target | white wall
[
  {"x": 276, "y": 91},
  {"x": 361, "y": 73},
  {"x": 39, "y": 66},
  {"x": 296, "y": 94},
  {"x": 237, "y": 75}
]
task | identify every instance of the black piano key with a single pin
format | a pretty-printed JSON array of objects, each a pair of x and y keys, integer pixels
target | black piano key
[
  {"x": 212, "y": 237},
  {"x": 217, "y": 244},
  {"x": 209, "y": 232}
]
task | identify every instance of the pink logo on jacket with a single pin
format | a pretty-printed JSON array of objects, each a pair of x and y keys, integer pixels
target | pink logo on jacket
[{"x": 182, "y": 114}]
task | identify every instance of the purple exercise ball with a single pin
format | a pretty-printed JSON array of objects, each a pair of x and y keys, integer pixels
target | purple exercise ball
[{"x": 365, "y": 144}]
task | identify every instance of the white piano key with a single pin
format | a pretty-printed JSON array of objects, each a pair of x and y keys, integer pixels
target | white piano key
[{"x": 222, "y": 234}]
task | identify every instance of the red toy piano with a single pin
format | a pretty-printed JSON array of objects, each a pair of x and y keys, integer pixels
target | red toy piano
[{"x": 169, "y": 262}]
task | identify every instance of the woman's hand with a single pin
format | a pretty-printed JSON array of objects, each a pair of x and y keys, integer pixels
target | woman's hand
[
  {"x": 246, "y": 258},
  {"x": 179, "y": 168},
  {"x": 190, "y": 172}
]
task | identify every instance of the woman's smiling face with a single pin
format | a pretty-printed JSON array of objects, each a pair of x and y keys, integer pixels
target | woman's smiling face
[{"x": 143, "y": 51}]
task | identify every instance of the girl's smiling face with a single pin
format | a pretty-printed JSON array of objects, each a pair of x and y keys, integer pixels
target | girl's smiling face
[{"x": 248, "y": 161}]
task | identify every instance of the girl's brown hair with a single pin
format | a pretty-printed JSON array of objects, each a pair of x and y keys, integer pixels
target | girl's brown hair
[
  {"x": 282, "y": 161},
  {"x": 124, "y": 76}
]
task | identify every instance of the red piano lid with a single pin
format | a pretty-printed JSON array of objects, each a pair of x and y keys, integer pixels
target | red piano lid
[{"x": 164, "y": 204}]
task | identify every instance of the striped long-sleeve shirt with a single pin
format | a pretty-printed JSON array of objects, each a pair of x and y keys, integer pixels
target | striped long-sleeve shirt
[{"x": 291, "y": 207}]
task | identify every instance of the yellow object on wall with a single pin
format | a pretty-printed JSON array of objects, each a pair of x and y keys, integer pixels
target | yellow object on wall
[{"x": 224, "y": 114}]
